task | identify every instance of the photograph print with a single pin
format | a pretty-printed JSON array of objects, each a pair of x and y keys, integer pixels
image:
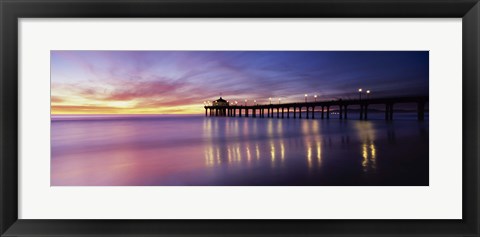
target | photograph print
[{"x": 239, "y": 118}]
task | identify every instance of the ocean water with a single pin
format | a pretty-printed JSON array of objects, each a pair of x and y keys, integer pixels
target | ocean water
[{"x": 188, "y": 150}]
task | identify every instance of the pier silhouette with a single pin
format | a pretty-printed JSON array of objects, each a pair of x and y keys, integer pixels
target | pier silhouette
[{"x": 294, "y": 110}]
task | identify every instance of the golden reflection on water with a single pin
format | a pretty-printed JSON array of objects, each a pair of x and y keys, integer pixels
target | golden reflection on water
[
  {"x": 366, "y": 134},
  {"x": 274, "y": 148},
  {"x": 219, "y": 161},
  {"x": 315, "y": 127},
  {"x": 277, "y": 150},
  {"x": 238, "y": 155},
  {"x": 270, "y": 128},
  {"x": 319, "y": 150},
  {"x": 279, "y": 127},
  {"x": 305, "y": 127},
  {"x": 313, "y": 152},
  {"x": 272, "y": 152},
  {"x": 249, "y": 156},
  {"x": 229, "y": 155},
  {"x": 242, "y": 152}
]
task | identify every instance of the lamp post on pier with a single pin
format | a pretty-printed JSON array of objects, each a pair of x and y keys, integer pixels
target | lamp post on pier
[
  {"x": 306, "y": 98},
  {"x": 315, "y": 96},
  {"x": 368, "y": 94},
  {"x": 360, "y": 93}
]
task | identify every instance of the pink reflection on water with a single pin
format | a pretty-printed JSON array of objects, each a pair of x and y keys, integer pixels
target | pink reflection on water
[
  {"x": 124, "y": 166},
  {"x": 121, "y": 152},
  {"x": 153, "y": 151}
]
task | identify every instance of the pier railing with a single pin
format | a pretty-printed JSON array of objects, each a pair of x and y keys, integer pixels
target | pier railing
[{"x": 324, "y": 107}]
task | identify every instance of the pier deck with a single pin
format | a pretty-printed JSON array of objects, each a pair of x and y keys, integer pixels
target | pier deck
[{"x": 294, "y": 110}]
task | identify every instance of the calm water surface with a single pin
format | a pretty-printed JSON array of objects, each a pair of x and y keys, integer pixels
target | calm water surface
[{"x": 197, "y": 150}]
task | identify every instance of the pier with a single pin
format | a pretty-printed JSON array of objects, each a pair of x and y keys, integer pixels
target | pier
[{"x": 294, "y": 110}]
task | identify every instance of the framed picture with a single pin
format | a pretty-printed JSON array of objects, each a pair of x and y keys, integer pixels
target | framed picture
[{"x": 239, "y": 118}]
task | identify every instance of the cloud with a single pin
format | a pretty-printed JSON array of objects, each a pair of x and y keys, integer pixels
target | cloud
[
  {"x": 140, "y": 90},
  {"x": 56, "y": 99},
  {"x": 61, "y": 109},
  {"x": 176, "y": 81}
]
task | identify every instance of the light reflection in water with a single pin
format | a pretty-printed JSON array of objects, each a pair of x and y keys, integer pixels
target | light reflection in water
[
  {"x": 309, "y": 155},
  {"x": 272, "y": 152},
  {"x": 279, "y": 127},
  {"x": 249, "y": 156},
  {"x": 277, "y": 147},
  {"x": 215, "y": 151},
  {"x": 270, "y": 128},
  {"x": 319, "y": 150},
  {"x": 305, "y": 127},
  {"x": 229, "y": 155},
  {"x": 219, "y": 161},
  {"x": 366, "y": 134},
  {"x": 239, "y": 156}
]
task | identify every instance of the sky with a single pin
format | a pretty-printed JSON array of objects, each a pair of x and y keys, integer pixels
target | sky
[{"x": 179, "y": 82}]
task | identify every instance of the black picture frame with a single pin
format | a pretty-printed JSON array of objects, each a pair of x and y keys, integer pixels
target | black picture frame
[{"x": 12, "y": 10}]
